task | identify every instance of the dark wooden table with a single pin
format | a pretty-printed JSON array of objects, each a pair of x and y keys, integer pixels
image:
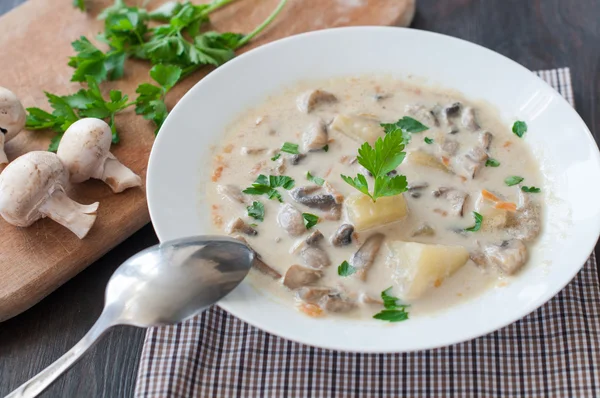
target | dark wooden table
[{"x": 540, "y": 34}]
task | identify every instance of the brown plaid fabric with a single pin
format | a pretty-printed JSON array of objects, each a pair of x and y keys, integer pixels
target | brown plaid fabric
[{"x": 553, "y": 352}]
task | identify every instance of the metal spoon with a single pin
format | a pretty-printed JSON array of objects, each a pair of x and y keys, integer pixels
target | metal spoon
[{"x": 161, "y": 285}]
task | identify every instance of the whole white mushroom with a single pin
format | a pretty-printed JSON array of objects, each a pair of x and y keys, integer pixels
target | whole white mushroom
[
  {"x": 33, "y": 187},
  {"x": 85, "y": 151},
  {"x": 12, "y": 120}
]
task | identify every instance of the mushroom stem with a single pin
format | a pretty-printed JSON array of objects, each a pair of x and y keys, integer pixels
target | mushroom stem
[
  {"x": 3, "y": 158},
  {"x": 118, "y": 177},
  {"x": 65, "y": 211}
]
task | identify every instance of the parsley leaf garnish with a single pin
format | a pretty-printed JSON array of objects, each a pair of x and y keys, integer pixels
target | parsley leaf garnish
[
  {"x": 91, "y": 103},
  {"x": 394, "y": 311},
  {"x": 310, "y": 220},
  {"x": 266, "y": 186},
  {"x": 392, "y": 315},
  {"x": 406, "y": 125},
  {"x": 68, "y": 109},
  {"x": 290, "y": 148},
  {"x": 492, "y": 163},
  {"x": 326, "y": 148},
  {"x": 428, "y": 140},
  {"x": 513, "y": 180},
  {"x": 531, "y": 189},
  {"x": 91, "y": 62},
  {"x": 151, "y": 99},
  {"x": 385, "y": 157},
  {"x": 274, "y": 158},
  {"x": 80, "y": 4},
  {"x": 519, "y": 128},
  {"x": 63, "y": 115},
  {"x": 316, "y": 180},
  {"x": 256, "y": 211},
  {"x": 345, "y": 269},
  {"x": 478, "y": 221}
]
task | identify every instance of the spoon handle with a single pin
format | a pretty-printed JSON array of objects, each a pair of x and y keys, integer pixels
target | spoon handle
[{"x": 34, "y": 386}]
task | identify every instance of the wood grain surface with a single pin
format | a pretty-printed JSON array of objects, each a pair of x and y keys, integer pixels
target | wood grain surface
[
  {"x": 540, "y": 34},
  {"x": 34, "y": 261}
]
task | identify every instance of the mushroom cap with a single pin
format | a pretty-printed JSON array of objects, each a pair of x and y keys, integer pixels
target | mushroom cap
[
  {"x": 12, "y": 114},
  {"x": 84, "y": 148},
  {"x": 27, "y": 183}
]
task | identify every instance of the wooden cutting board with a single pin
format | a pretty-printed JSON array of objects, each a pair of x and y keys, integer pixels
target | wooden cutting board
[{"x": 35, "y": 45}]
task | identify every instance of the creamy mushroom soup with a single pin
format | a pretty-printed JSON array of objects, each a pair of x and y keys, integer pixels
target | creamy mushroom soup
[{"x": 329, "y": 246}]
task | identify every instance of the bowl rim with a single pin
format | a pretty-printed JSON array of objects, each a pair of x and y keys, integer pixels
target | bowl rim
[{"x": 580, "y": 259}]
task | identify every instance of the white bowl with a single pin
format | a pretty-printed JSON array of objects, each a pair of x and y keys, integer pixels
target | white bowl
[{"x": 561, "y": 141}]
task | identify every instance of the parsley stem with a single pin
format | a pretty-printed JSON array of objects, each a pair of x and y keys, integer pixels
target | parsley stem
[
  {"x": 215, "y": 5},
  {"x": 263, "y": 25},
  {"x": 128, "y": 105}
]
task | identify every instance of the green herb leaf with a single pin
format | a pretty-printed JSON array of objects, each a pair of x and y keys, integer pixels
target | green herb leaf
[
  {"x": 345, "y": 269},
  {"x": 316, "y": 180},
  {"x": 392, "y": 315},
  {"x": 79, "y": 4},
  {"x": 256, "y": 211},
  {"x": 531, "y": 189},
  {"x": 166, "y": 75},
  {"x": 513, "y": 180},
  {"x": 166, "y": 11},
  {"x": 359, "y": 182},
  {"x": 390, "y": 302},
  {"x": 519, "y": 128},
  {"x": 61, "y": 118},
  {"x": 428, "y": 140},
  {"x": 310, "y": 220},
  {"x": 478, "y": 221},
  {"x": 394, "y": 310},
  {"x": 379, "y": 161},
  {"x": 91, "y": 62},
  {"x": 406, "y": 125},
  {"x": 281, "y": 181},
  {"x": 91, "y": 103},
  {"x": 274, "y": 158},
  {"x": 492, "y": 163},
  {"x": 266, "y": 186},
  {"x": 326, "y": 148},
  {"x": 150, "y": 102},
  {"x": 84, "y": 103},
  {"x": 411, "y": 125},
  {"x": 389, "y": 186},
  {"x": 290, "y": 148}
]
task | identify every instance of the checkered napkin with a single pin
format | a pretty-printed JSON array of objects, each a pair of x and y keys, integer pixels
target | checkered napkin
[{"x": 553, "y": 352}]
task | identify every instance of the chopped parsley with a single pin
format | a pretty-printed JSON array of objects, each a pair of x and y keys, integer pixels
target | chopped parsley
[
  {"x": 519, "y": 128},
  {"x": 513, "y": 180},
  {"x": 266, "y": 186},
  {"x": 406, "y": 126},
  {"x": 531, "y": 189},
  {"x": 379, "y": 161},
  {"x": 345, "y": 269},
  {"x": 256, "y": 211},
  {"x": 428, "y": 140},
  {"x": 310, "y": 220},
  {"x": 478, "y": 221},
  {"x": 316, "y": 180},
  {"x": 492, "y": 163},
  {"x": 274, "y": 158},
  {"x": 394, "y": 310},
  {"x": 290, "y": 148},
  {"x": 326, "y": 148}
]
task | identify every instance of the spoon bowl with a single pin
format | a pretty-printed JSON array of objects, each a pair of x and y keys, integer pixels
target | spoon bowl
[{"x": 171, "y": 282}]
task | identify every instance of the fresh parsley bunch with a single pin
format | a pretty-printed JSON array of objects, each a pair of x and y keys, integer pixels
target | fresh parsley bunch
[{"x": 175, "y": 48}]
